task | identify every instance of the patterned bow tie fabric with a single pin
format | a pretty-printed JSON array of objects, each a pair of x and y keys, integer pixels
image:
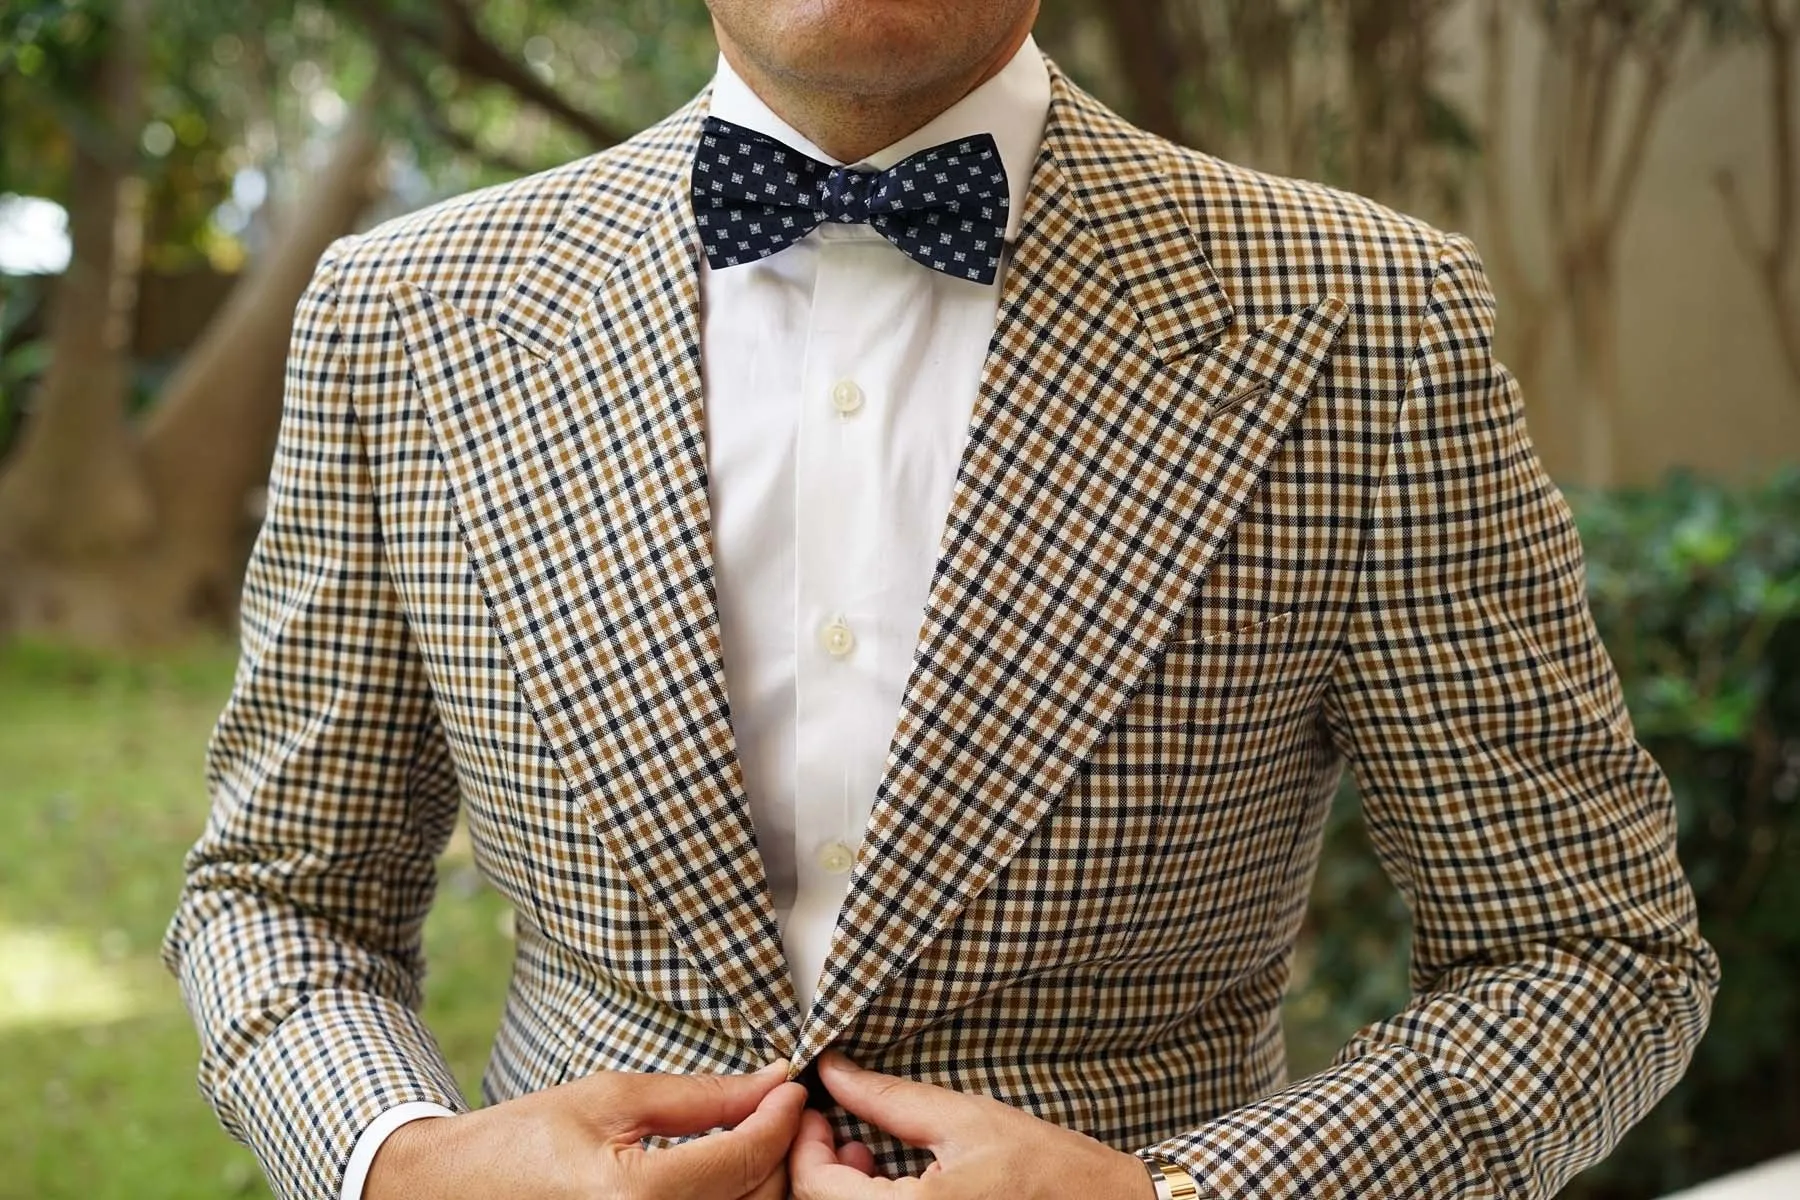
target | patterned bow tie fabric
[{"x": 945, "y": 207}]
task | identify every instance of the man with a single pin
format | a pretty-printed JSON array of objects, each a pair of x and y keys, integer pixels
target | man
[{"x": 915, "y": 616}]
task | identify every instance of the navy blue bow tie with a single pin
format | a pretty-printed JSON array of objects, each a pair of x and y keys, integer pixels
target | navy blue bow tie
[{"x": 945, "y": 207}]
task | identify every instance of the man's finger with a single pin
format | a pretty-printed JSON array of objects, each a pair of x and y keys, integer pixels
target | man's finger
[
  {"x": 857, "y": 1156},
  {"x": 775, "y": 1187},
  {"x": 678, "y": 1105},
  {"x": 916, "y": 1113},
  {"x": 813, "y": 1146},
  {"x": 815, "y": 1173},
  {"x": 733, "y": 1164}
]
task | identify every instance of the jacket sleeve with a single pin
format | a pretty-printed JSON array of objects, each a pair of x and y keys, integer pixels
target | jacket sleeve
[
  {"x": 297, "y": 936},
  {"x": 1560, "y": 981}
]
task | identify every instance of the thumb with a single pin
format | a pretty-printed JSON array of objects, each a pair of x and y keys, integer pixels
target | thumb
[
  {"x": 678, "y": 1105},
  {"x": 739, "y": 1162},
  {"x": 916, "y": 1113}
]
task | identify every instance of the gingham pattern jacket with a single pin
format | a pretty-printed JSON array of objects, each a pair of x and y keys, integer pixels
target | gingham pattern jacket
[{"x": 1245, "y": 497}]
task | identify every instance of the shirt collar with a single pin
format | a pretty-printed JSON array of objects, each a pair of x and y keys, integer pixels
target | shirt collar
[{"x": 1013, "y": 106}]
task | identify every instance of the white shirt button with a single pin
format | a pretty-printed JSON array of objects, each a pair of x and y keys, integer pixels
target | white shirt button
[
  {"x": 835, "y": 858},
  {"x": 847, "y": 398},
  {"x": 837, "y": 639}
]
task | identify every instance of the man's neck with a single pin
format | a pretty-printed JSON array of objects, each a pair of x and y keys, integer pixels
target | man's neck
[{"x": 851, "y": 127}]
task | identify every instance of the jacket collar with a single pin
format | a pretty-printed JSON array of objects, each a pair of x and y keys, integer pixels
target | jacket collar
[{"x": 1115, "y": 175}]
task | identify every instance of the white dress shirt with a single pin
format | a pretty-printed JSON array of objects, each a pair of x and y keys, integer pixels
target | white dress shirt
[{"x": 840, "y": 377}]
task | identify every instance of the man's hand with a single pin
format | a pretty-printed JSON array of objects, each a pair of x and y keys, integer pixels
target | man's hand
[
  {"x": 582, "y": 1141},
  {"x": 983, "y": 1148}
]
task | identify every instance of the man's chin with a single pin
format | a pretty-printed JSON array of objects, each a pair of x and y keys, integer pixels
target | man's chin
[{"x": 876, "y": 64}]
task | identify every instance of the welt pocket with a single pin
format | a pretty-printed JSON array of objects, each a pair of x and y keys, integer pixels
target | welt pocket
[{"x": 1270, "y": 629}]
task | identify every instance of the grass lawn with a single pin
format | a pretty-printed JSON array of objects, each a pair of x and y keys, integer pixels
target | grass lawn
[{"x": 100, "y": 794}]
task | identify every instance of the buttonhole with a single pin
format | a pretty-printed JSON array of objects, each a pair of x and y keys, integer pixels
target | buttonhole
[{"x": 1240, "y": 397}]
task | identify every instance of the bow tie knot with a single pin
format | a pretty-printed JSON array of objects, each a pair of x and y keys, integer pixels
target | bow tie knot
[
  {"x": 945, "y": 207},
  {"x": 847, "y": 194}
]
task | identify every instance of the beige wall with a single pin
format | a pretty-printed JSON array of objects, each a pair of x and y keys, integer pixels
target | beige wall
[{"x": 1704, "y": 381}]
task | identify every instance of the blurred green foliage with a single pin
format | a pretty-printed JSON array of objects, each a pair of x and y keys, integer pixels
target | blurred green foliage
[
  {"x": 210, "y": 104},
  {"x": 1696, "y": 589},
  {"x": 246, "y": 91},
  {"x": 101, "y": 792}
]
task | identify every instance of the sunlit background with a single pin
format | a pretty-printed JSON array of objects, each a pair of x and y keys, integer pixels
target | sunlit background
[{"x": 170, "y": 170}]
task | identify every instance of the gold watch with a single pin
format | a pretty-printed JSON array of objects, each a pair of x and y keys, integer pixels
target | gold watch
[{"x": 1172, "y": 1183}]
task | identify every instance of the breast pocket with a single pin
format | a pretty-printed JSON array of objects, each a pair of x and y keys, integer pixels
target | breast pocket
[
  {"x": 1213, "y": 632},
  {"x": 1212, "y": 668},
  {"x": 1225, "y": 722}
]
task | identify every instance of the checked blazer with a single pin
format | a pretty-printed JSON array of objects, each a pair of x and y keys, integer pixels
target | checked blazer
[{"x": 1245, "y": 498}]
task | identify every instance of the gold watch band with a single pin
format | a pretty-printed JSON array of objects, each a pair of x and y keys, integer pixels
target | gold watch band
[{"x": 1178, "y": 1183}]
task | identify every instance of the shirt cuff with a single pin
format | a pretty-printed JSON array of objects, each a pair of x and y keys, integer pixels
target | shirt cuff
[{"x": 378, "y": 1132}]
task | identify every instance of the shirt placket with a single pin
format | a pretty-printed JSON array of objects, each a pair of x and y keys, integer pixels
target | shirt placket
[{"x": 838, "y": 538}]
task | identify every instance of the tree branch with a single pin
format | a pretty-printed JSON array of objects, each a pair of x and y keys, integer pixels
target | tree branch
[
  {"x": 393, "y": 57},
  {"x": 1603, "y": 93},
  {"x": 1783, "y": 38},
  {"x": 460, "y": 43},
  {"x": 472, "y": 52},
  {"x": 1144, "y": 44},
  {"x": 1772, "y": 261},
  {"x": 1737, "y": 217},
  {"x": 1658, "y": 72},
  {"x": 1506, "y": 254},
  {"x": 1520, "y": 292}
]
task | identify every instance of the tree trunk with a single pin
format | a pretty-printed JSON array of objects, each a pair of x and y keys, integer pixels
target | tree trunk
[
  {"x": 1144, "y": 45},
  {"x": 1528, "y": 310},
  {"x": 73, "y": 494},
  {"x": 74, "y": 489},
  {"x": 1593, "y": 326},
  {"x": 188, "y": 474},
  {"x": 1772, "y": 259},
  {"x": 207, "y": 444}
]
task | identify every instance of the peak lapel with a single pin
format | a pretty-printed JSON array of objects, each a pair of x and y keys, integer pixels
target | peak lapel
[
  {"x": 1107, "y": 462},
  {"x": 573, "y": 436}
]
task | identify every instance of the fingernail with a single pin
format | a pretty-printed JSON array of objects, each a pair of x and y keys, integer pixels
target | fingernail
[{"x": 769, "y": 1068}]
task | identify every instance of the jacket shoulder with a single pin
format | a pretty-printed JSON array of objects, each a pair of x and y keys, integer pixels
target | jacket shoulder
[
  {"x": 1278, "y": 242},
  {"x": 466, "y": 250}
]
